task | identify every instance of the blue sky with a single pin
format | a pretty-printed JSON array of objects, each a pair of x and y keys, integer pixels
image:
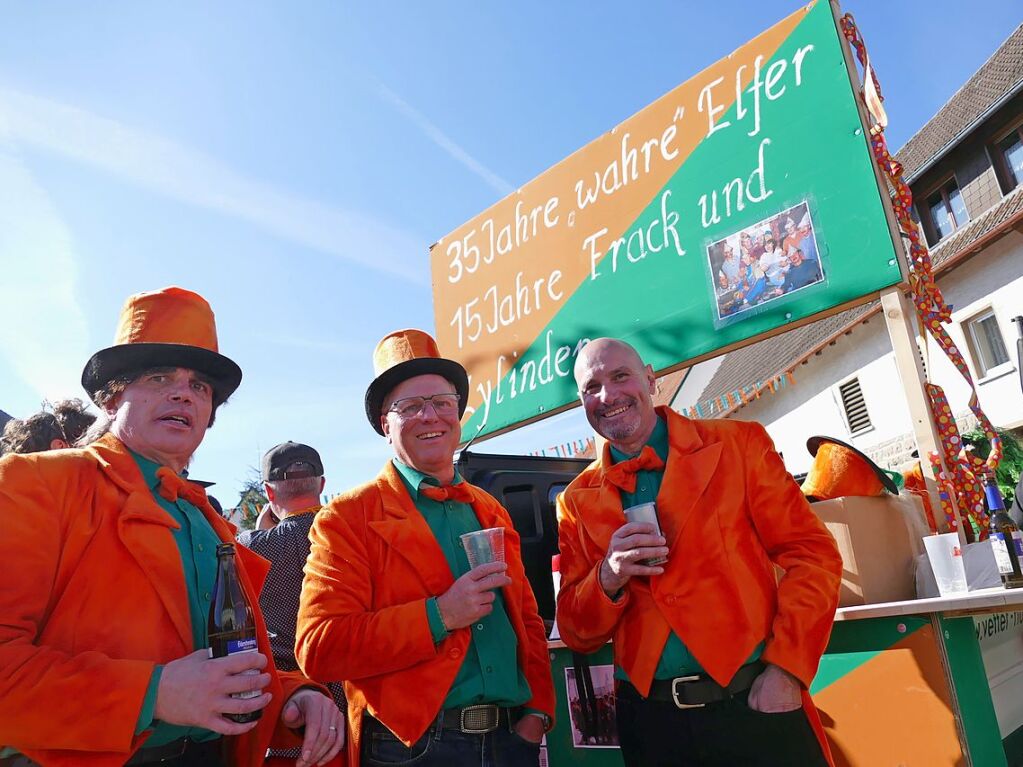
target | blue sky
[{"x": 293, "y": 163}]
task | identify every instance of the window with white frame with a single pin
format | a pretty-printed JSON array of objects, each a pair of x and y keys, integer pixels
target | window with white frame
[
  {"x": 855, "y": 407},
  {"x": 985, "y": 342}
]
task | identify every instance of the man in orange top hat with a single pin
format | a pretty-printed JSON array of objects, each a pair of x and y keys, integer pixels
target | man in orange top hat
[
  {"x": 442, "y": 664},
  {"x": 110, "y": 557},
  {"x": 713, "y": 655}
]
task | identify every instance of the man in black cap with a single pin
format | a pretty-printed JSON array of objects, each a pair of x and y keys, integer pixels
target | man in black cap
[{"x": 293, "y": 480}]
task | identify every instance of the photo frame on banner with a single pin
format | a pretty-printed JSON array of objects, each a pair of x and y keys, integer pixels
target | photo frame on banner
[{"x": 766, "y": 262}]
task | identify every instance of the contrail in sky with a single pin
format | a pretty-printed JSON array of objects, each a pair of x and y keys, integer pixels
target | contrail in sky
[
  {"x": 179, "y": 172},
  {"x": 437, "y": 136}
]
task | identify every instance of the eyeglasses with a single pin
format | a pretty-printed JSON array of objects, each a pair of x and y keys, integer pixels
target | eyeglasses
[{"x": 413, "y": 407}]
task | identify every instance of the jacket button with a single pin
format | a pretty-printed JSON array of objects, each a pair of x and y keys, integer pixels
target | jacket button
[
  {"x": 670, "y": 599},
  {"x": 454, "y": 652}
]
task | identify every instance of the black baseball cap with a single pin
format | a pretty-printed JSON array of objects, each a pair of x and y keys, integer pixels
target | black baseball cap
[{"x": 291, "y": 460}]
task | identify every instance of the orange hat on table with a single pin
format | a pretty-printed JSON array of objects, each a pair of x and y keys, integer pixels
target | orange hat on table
[
  {"x": 840, "y": 469},
  {"x": 171, "y": 327}
]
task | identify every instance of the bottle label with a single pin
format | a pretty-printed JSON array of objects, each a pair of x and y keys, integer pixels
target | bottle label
[
  {"x": 237, "y": 647},
  {"x": 1001, "y": 553},
  {"x": 1017, "y": 538}
]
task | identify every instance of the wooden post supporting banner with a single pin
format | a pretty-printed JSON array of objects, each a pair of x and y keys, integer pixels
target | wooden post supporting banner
[{"x": 897, "y": 316}]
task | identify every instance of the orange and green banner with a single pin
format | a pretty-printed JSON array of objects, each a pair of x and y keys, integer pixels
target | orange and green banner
[{"x": 743, "y": 201}]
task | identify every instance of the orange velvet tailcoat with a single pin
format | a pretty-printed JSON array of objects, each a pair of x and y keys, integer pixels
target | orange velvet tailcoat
[
  {"x": 93, "y": 597},
  {"x": 730, "y": 512},
  {"x": 362, "y": 620}
]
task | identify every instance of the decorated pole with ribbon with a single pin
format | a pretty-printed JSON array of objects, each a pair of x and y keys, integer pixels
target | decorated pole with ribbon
[{"x": 956, "y": 472}]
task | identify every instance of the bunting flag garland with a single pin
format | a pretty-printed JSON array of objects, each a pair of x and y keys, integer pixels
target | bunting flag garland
[
  {"x": 964, "y": 487},
  {"x": 728, "y": 401},
  {"x": 573, "y": 449}
]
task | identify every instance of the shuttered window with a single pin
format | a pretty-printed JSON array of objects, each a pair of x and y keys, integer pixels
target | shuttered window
[{"x": 855, "y": 407}]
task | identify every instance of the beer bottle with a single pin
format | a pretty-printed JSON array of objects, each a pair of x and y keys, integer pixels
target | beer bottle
[
  {"x": 231, "y": 627},
  {"x": 1006, "y": 539}
]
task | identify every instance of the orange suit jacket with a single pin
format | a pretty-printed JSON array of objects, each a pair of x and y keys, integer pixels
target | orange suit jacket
[
  {"x": 362, "y": 619},
  {"x": 93, "y": 598},
  {"x": 730, "y": 512}
]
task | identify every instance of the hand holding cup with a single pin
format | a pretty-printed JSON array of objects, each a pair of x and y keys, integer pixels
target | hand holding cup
[
  {"x": 472, "y": 596},
  {"x": 631, "y": 546}
]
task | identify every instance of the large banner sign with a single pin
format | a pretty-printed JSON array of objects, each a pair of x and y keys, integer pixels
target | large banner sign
[{"x": 743, "y": 201}]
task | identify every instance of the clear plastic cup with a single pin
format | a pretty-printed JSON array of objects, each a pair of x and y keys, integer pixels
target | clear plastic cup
[
  {"x": 484, "y": 546},
  {"x": 646, "y": 512},
  {"x": 946, "y": 556}
]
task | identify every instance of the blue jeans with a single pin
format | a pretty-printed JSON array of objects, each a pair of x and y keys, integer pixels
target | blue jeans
[{"x": 446, "y": 747}]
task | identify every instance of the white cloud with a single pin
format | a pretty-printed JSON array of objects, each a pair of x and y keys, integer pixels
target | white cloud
[
  {"x": 163, "y": 166},
  {"x": 38, "y": 272},
  {"x": 439, "y": 138}
]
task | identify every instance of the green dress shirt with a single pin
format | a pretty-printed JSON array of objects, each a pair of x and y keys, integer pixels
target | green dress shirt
[
  {"x": 676, "y": 660},
  {"x": 490, "y": 670},
  {"x": 197, "y": 544}
]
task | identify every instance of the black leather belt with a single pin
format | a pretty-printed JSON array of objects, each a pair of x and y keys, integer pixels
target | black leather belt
[
  {"x": 698, "y": 690},
  {"x": 176, "y": 749},
  {"x": 476, "y": 720}
]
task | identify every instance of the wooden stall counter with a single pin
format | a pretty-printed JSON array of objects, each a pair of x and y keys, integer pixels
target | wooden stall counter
[{"x": 917, "y": 683}]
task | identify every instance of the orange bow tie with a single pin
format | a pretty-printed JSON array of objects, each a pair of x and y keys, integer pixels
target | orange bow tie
[
  {"x": 174, "y": 486},
  {"x": 459, "y": 492},
  {"x": 623, "y": 475}
]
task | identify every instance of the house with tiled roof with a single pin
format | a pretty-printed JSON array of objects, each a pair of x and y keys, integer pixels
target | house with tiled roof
[{"x": 965, "y": 169}]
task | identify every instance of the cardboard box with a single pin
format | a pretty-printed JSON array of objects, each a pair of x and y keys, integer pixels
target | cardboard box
[{"x": 879, "y": 539}]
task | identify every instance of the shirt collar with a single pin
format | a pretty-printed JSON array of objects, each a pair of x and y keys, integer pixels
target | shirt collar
[
  {"x": 300, "y": 512},
  {"x": 413, "y": 478},
  {"x": 658, "y": 441},
  {"x": 148, "y": 469}
]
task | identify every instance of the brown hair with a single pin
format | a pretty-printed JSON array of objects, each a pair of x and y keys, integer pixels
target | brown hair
[
  {"x": 68, "y": 422},
  {"x": 30, "y": 435}
]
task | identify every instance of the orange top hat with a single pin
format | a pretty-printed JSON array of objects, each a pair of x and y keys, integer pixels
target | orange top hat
[
  {"x": 840, "y": 469},
  {"x": 406, "y": 354},
  {"x": 171, "y": 327}
]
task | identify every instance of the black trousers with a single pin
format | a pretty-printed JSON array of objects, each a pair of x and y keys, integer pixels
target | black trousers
[{"x": 726, "y": 734}]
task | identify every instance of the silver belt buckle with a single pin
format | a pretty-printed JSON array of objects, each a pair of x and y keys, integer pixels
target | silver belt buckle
[
  {"x": 479, "y": 720},
  {"x": 674, "y": 691}
]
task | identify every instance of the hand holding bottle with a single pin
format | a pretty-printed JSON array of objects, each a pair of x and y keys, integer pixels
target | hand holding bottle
[{"x": 197, "y": 691}]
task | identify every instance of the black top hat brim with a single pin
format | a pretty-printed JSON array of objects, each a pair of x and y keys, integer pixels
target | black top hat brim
[
  {"x": 403, "y": 371},
  {"x": 127, "y": 359},
  {"x": 813, "y": 445}
]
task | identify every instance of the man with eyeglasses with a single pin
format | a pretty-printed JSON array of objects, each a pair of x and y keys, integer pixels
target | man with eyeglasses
[{"x": 442, "y": 664}]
